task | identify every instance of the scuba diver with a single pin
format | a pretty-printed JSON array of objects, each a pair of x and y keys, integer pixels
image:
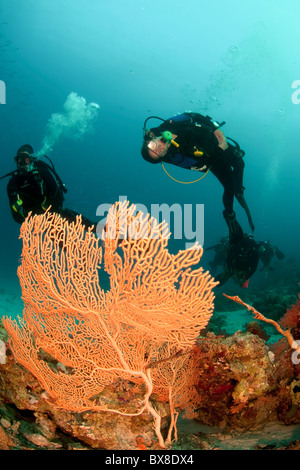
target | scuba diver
[
  {"x": 266, "y": 253},
  {"x": 195, "y": 142},
  {"x": 220, "y": 254},
  {"x": 242, "y": 255},
  {"x": 35, "y": 186}
]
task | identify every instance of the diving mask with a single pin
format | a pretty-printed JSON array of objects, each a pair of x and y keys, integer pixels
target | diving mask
[
  {"x": 24, "y": 161},
  {"x": 158, "y": 147}
]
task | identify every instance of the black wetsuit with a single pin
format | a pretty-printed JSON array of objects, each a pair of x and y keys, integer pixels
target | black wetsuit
[
  {"x": 34, "y": 191},
  {"x": 227, "y": 165}
]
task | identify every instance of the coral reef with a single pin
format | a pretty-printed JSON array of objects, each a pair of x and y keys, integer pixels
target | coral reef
[
  {"x": 235, "y": 377},
  {"x": 244, "y": 382}
]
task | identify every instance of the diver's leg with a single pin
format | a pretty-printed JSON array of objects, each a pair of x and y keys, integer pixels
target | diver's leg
[{"x": 224, "y": 175}]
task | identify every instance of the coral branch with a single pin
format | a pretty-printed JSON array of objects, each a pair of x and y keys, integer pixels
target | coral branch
[{"x": 259, "y": 316}]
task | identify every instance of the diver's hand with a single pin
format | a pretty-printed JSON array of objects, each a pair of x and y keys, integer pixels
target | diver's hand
[{"x": 17, "y": 206}]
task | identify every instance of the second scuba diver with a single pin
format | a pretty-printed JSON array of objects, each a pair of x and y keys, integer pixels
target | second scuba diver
[{"x": 34, "y": 186}]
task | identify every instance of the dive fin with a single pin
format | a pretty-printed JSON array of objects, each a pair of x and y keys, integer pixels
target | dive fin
[
  {"x": 235, "y": 230},
  {"x": 243, "y": 203}
]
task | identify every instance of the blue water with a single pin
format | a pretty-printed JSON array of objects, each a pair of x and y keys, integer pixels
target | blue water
[{"x": 233, "y": 60}]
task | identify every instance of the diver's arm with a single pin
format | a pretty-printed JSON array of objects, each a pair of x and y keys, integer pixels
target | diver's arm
[
  {"x": 16, "y": 208},
  {"x": 279, "y": 254},
  {"x": 210, "y": 247},
  {"x": 223, "y": 277},
  {"x": 17, "y": 216},
  {"x": 15, "y": 203}
]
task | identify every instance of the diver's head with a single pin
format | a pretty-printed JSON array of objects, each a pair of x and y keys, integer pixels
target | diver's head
[
  {"x": 154, "y": 148},
  {"x": 25, "y": 158}
]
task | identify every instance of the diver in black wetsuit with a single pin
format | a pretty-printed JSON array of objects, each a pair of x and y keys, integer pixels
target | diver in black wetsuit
[
  {"x": 242, "y": 255},
  {"x": 195, "y": 142},
  {"x": 35, "y": 186}
]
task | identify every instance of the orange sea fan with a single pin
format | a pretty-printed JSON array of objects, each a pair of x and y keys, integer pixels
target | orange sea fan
[{"x": 139, "y": 330}]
